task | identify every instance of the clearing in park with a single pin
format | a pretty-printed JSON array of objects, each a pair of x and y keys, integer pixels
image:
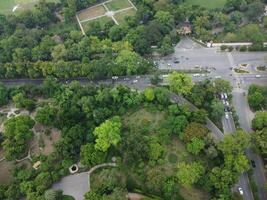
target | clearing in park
[
  {"x": 209, "y": 4},
  {"x": 111, "y": 10},
  {"x": 14, "y": 6}
]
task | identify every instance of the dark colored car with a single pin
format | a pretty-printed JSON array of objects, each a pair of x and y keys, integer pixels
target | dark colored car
[{"x": 253, "y": 163}]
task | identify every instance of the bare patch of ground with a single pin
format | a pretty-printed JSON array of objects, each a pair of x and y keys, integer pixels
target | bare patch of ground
[{"x": 91, "y": 12}]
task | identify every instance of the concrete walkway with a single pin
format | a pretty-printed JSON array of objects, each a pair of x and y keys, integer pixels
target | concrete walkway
[{"x": 77, "y": 185}]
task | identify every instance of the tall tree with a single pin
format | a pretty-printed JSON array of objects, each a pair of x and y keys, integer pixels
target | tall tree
[
  {"x": 189, "y": 173},
  {"x": 16, "y": 136},
  {"x": 108, "y": 133},
  {"x": 180, "y": 83}
]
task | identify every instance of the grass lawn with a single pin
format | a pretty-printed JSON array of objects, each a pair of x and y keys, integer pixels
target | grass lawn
[
  {"x": 120, "y": 17},
  {"x": 6, "y": 6},
  {"x": 102, "y": 20},
  {"x": 118, "y": 4},
  {"x": 209, "y": 4}
]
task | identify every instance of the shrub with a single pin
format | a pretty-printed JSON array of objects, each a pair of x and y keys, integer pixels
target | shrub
[
  {"x": 223, "y": 47},
  {"x": 243, "y": 48}
]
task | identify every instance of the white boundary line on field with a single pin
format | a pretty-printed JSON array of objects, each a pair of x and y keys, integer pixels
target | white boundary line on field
[
  {"x": 105, "y": 7},
  {"x": 101, "y": 4},
  {"x": 116, "y": 22},
  {"x": 124, "y": 9},
  {"x": 86, "y": 20},
  {"x": 80, "y": 24},
  {"x": 132, "y": 4}
]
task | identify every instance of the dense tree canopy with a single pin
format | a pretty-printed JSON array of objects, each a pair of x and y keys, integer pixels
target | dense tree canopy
[
  {"x": 17, "y": 134},
  {"x": 108, "y": 133}
]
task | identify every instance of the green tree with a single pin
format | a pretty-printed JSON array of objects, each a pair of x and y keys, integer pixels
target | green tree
[
  {"x": 255, "y": 11},
  {"x": 260, "y": 120},
  {"x": 90, "y": 156},
  {"x": 149, "y": 94},
  {"x": 222, "y": 85},
  {"x": 53, "y": 194},
  {"x": 199, "y": 116},
  {"x": 166, "y": 46},
  {"x": 180, "y": 83},
  {"x": 189, "y": 173},
  {"x": 194, "y": 130},
  {"x": 3, "y": 95},
  {"x": 108, "y": 133},
  {"x": 46, "y": 115},
  {"x": 155, "y": 149},
  {"x": 92, "y": 195},
  {"x": 19, "y": 99},
  {"x": 17, "y": 134},
  {"x": 260, "y": 140},
  {"x": 217, "y": 109},
  {"x": 222, "y": 179},
  {"x": 234, "y": 144},
  {"x": 256, "y": 100},
  {"x": 195, "y": 146}
]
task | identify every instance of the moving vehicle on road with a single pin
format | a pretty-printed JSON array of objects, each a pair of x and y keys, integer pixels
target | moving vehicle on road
[
  {"x": 253, "y": 164},
  {"x": 258, "y": 76}
]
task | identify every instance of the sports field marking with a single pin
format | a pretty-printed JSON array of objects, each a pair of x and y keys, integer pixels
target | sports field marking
[{"x": 108, "y": 9}]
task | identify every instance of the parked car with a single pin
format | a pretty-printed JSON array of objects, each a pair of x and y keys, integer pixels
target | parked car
[
  {"x": 226, "y": 103},
  {"x": 225, "y": 95},
  {"x": 258, "y": 76},
  {"x": 226, "y": 116}
]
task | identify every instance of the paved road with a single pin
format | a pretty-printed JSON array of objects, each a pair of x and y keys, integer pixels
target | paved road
[
  {"x": 189, "y": 55},
  {"x": 245, "y": 118}
]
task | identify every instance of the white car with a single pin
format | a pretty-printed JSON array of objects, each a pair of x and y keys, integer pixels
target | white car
[
  {"x": 135, "y": 81},
  {"x": 225, "y": 95},
  {"x": 226, "y": 103},
  {"x": 226, "y": 116},
  {"x": 217, "y": 77},
  {"x": 258, "y": 76},
  {"x": 196, "y": 75},
  {"x": 240, "y": 191}
]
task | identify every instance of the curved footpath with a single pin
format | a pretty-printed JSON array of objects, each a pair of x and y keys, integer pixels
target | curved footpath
[{"x": 77, "y": 185}]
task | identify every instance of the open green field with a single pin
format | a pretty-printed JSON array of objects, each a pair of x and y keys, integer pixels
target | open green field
[
  {"x": 120, "y": 16},
  {"x": 209, "y": 4},
  {"x": 6, "y": 6},
  {"x": 118, "y": 4}
]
